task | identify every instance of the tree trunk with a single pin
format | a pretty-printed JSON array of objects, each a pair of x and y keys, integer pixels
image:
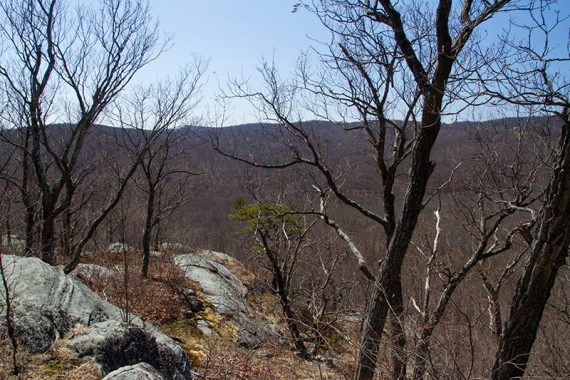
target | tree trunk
[
  {"x": 283, "y": 295},
  {"x": 30, "y": 218},
  {"x": 8, "y": 211},
  {"x": 66, "y": 234},
  {"x": 389, "y": 281},
  {"x": 398, "y": 332},
  {"x": 378, "y": 308},
  {"x": 292, "y": 325},
  {"x": 422, "y": 352},
  {"x": 147, "y": 234},
  {"x": 47, "y": 236},
  {"x": 157, "y": 236},
  {"x": 26, "y": 198},
  {"x": 549, "y": 253}
]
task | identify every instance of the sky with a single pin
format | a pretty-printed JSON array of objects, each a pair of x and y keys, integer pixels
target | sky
[{"x": 235, "y": 35}]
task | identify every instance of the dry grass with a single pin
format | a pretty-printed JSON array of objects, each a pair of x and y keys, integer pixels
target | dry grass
[
  {"x": 157, "y": 298},
  {"x": 58, "y": 363},
  {"x": 226, "y": 360}
]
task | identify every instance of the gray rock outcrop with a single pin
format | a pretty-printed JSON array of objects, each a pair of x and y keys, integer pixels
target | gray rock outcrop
[
  {"x": 48, "y": 304},
  {"x": 141, "y": 371},
  {"x": 119, "y": 247},
  {"x": 224, "y": 290},
  {"x": 93, "y": 272},
  {"x": 114, "y": 344}
]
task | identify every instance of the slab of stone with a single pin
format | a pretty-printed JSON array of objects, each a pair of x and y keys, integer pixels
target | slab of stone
[
  {"x": 48, "y": 304},
  {"x": 113, "y": 344},
  {"x": 93, "y": 272},
  {"x": 140, "y": 371},
  {"x": 224, "y": 290}
]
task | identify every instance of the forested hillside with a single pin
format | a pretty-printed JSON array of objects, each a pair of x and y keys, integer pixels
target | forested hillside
[{"x": 359, "y": 227}]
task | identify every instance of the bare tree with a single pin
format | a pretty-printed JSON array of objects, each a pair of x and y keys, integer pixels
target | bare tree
[
  {"x": 384, "y": 56},
  {"x": 56, "y": 62},
  {"x": 540, "y": 83},
  {"x": 281, "y": 239},
  {"x": 155, "y": 112}
]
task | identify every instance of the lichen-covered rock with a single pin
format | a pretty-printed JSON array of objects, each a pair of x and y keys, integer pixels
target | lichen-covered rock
[
  {"x": 224, "y": 290},
  {"x": 47, "y": 302},
  {"x": 141, "y": 371},
  {"x": 113, "y": 345}
]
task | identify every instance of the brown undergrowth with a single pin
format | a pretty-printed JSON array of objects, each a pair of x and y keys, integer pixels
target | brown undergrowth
[{"x": 159, "y": 299}]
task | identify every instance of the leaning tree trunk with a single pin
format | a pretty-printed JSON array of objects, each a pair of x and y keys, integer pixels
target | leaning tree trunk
[
  {"x": 389, "y": 279},
  {"x": 549, "y": 253},
  {"x": 398, "y": 337},
  {"x": 281, "y": 289},
  {"x": 292, "y": 324}
]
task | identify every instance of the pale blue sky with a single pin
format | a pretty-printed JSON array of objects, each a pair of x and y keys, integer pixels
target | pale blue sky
[{"x": 236, "y": 34}]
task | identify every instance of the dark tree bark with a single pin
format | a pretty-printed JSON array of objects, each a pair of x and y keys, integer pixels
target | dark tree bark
[
  {"x": 374, "y": 47},
  {"x": 398, "y": 338},
  {"x": 147, "y": 233},
  {"x": 92, "y": 60},
  {"x": 433, "y": 90},
  {"x": 549, "y": 254}
]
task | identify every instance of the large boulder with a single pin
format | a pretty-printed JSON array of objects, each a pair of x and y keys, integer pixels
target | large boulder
[
  {"x": 222, "y": 288},
  {"x": 48, "y": 304},
  {"x": 114, "y": 344},
  {"x": 141, "y": 371},
  {"x": 227, "y": 293}
]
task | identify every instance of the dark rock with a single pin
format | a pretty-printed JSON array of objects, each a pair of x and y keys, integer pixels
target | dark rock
[
  {"x": 195, "y": 304},
  {"x": 113, "y": 344}
]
